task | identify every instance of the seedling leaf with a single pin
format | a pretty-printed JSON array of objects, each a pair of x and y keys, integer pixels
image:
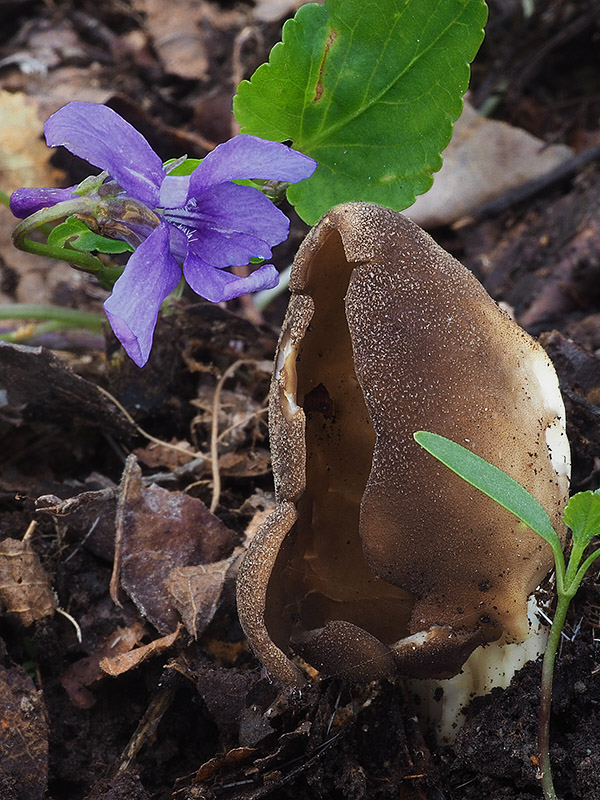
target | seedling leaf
[
  {"x": 493, "y": 482},
  {"x": 368, "y": 90},
  {"x": 582, "y": 515}
]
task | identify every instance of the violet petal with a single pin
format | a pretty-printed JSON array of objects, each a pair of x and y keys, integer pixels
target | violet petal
[
  {"x": 216, "y": 285},
  {"x": 230, "y": 224},
  {"x": 101, "y": 136},
  {"x": 179, "y": 242},
  {"x": 174, "y": 191},
  {"x": 248, "y": 156},
  {"x": 24, "y": 202},
  {"x": 132, "y": 309}
]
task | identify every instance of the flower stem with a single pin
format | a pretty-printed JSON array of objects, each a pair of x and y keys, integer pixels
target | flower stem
[
  {"x": 21, "y": 240},
  {"x": 64, "y": 317},
  {"x": 546, "y": 699},
  {"x": 4, "y": 199}
]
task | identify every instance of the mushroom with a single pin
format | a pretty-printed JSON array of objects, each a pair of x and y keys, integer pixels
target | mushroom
[{"x": 377, "y": 559}]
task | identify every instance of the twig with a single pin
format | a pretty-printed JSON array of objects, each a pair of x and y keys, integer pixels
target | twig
[
  {"x": 130, "y": 465},
  {"x": 30, "y": 530},
  {"x": 238, "y": 72},
  {"x": 147, "y": 435},
  {"x": 146, "y": 726},
  {"x": 72, "y": 620},
  {"x": 528, "y": 190},
  {"x": 241, "y": 422}
]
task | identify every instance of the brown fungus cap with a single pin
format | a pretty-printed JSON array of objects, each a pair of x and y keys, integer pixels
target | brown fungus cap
[{"x": 378, "y": 558}]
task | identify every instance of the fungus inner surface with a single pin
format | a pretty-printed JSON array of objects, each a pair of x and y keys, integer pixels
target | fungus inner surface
[{"x": 321, "y": 574}]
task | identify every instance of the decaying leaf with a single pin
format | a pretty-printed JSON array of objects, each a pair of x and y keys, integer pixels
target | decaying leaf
[
  {"x": 25, "y": 588},
  {"x": 89, "y": 516},
  {"x": 85, "y": 672},
  {"x": 245, "y": 463},
  {"x": 226, "y": 694},
  {"x": 484, "y": 159},
  {"x": 117, "y": 665},
  {"x": 260, "y": 505},
  {"x": 158, "y": 455},
  {"x": 177, "y": 36},
  {"x": 24, "y": 158},
  {"x": 160, "y": 531},
  {"x": 232, "y": 757},
  {"x": 274, "y": 10},
  {"x": 24, "y": 161},
  {"x": 23, "y": 735},
  {"x": 196, "y": 592}
]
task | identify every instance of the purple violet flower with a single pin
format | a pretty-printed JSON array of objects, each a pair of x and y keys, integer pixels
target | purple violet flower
[{"x": 202, "y": 221}]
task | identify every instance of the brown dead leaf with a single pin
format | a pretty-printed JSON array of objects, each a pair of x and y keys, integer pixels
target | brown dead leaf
[
  {"x": 260, "y": 505},
  {"x": 274, "y": 10},
  {"x": 255, "y": 723},
  {"x": 162, "y": 530},
  {"x": 484, "y": 159},
  {"x": 208, "y": 769},
  {"x": 119, "y": 664},
  {"x": 196, "y": 591},
  {"x": 177, "y": 35},
  {"x": 89, "y": 517},
  {"x": 66, "y": 83},
  {"x": 245, "y": 463},
  {"x": 24, "y": 161},
  {"x": 85, "y": 672},
  {"x": 157, "y": 455},
  {"x": 24, "y": 586},
  {"x": 24, "y": 157},
  {"x": 225, "y": 693},
  {"x": 23, "y": 735}
]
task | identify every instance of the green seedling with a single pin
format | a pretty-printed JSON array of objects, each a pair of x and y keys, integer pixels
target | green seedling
[{"x": 581, "y": 515}]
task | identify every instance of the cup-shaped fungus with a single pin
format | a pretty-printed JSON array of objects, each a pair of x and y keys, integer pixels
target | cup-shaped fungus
[{"x": 378, "y": 559}]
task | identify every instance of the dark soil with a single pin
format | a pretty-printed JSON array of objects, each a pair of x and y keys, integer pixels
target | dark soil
[{"x": 130, "y": 711}]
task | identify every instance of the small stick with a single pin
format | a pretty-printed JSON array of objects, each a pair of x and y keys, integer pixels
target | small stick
[
  {"x": 130, "y": 465},
  {"x": 144, "y": 433},
  {"x": 512, "y": 197},
  {"x": 146, "y": 726}
]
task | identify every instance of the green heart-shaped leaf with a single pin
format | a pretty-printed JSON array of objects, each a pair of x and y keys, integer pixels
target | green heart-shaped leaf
[{"x": 368, "y": 89}]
